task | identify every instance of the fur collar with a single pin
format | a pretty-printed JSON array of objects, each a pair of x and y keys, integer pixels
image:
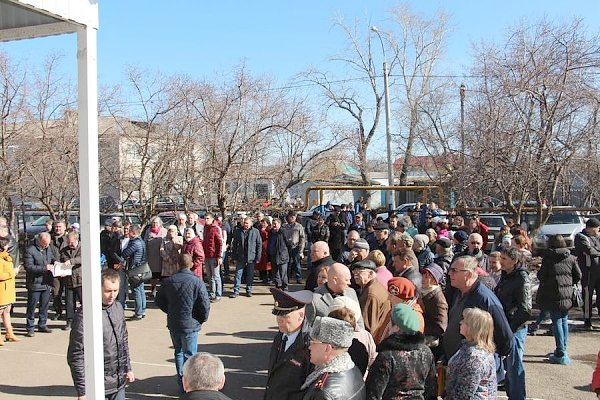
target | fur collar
[
  {"x": 341, "y": 363},
  {"x": 402, "y": 341}
]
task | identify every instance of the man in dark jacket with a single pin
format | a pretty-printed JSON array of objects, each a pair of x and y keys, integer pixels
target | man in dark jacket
[
  {"x": 277, "y": 252},
  {"x": 587, "y": 250},
  {"x": 335, "y": 375},
  {"x": 246, "y": 249},
  {"x": 38, "y": 261},
  {"x": 289, "y": 360},
  {"x": 319, "y": 252},
  {"x": 203, "y": 377},
  {"x": 471, "y": 293},
  {"x": 71, "y": 256},
  {"x": 132, "y": 256},
  {"x": 59, "y": 242},
  {"x": 184, "y": 298},
  {"x": 514, "y": 292},
  {"x": 117, "y": 365}
]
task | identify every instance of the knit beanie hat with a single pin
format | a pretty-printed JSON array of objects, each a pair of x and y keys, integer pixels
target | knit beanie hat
[
  {"x": 436, "y": 271},
  {"x": 333, "y": 331},
  {"x": 420, "y": 241},
  {"x": 401, "y": 288},
  {"x": 404, "y": 317},
  {"x": 461, "y": 236}
]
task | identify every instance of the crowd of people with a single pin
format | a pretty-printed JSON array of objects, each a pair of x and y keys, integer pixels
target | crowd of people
[{"x": 407, "y": 307}]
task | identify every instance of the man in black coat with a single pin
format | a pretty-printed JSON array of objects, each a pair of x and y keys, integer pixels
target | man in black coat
[
  {"x": 587, "y": 250},
  {"x": 117, "y": 364},
  {"x": 184, "y": 298},
  {"x": 277, "y": 252},
  {"x": 38, "y": 260},
  {"x": 289, "y": 361},
  {"x": 203, "y": 377},
  {"x": 319, "y": 253}
]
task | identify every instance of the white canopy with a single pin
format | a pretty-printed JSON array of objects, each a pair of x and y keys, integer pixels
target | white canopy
[{"x": 28, "y": 19}]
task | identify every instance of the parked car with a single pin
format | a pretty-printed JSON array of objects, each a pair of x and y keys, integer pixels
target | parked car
[
  {"x": 39, "y": 225},
  {"x": 133, "y": 218},
  {"x": 494, "y": 222},
  {"x": 564, "y": 223}
]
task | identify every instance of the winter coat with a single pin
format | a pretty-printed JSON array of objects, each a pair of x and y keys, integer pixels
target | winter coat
[
  {"x": 265, "y": 263},
  {"x": 183, "y": 297},
  {"x": 375, "y": 305},
  {"x": 471, "y": 374},
  {"x": 213, "y": 241},
  {"x": 8, "y": 293},
  {"x": 435, "y": 312},
  {"x": 247, "y": 245},
  {"x": 74, "y": 256},
  {"x": 413, "y": 275},
  {"x": 424, "y": 257},
  {"x": 596, "y": 376},
  {"x": 342, "y": 381},
  {"x": 170, "y": 253},
  {"x": 153, "y": 244},
  {"x": 116, "y": 349},
  {"x": 478, "y": 297},
  {"x": 404, "y": 369},
  {"x": 277, "y": 249},
  {"x": 38, "y": 278},
  {"x": 336, "y": 236},
  {"x": 313, "y": 276},
  {"x": 135, "y": 252},
  {"x": 322, "y": 299},
  {"x": 287, "y": 373},
  {"x": 195, "y": 249},
  {"x": 558, "y": 274},
  {"x": 319, "y": 233},
  {"x": 587, "y": 250},
  {"x": 514, "y": 292},
  {"x": 295, "y": 236}
]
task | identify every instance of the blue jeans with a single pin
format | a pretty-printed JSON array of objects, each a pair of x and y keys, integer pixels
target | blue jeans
[
  {"x": 139, "y": 296},
  {"x": 120, "y": 395},
  {"x": 33, "y": 298},
  {"x": 214, "y": 275},
  {"x": 560, "y": 322},
  {"x": 186, "y": 345},
  {"x": 239, "y": 270},
  {"x": 515, "y": 372},
  {"x": 296, "y": 268}
]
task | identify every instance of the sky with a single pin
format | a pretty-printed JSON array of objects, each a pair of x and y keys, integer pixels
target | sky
[{"x": 277, "y": 38}]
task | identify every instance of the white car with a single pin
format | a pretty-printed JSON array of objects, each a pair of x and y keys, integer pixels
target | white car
[{"x": 564, "y": 223}]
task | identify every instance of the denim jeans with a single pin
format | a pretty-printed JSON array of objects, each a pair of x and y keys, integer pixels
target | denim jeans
[
  {"x": 213, "y": 274},
  {"x": 296, "y": 268},
  {"x": 33, "y": 298},
  {"x": 120, "y": 395},
  {"x": 515, "y": 372},
  {"x": 239, "y": 270},
  {"x": 186, "y": 345},
  {"x": 139, "y": 296},
  {"x": 560, "y": 321}
]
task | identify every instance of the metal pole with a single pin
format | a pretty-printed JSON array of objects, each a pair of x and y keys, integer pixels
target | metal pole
[
  {"x": 388, "y": 131},
  {"x": 463, "y": 88},
  {"x": 388, "y": 137}
]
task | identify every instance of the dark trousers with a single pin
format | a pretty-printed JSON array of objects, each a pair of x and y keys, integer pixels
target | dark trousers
[
  {"x": 58, "y": 286},
  {"x": 123, "y": 288},
  {"x": 590, "y": 282},
  {"x": 72, "y": 295},
  {"x": 280, "y": 275},
  {"x": 33, "y": 299}
]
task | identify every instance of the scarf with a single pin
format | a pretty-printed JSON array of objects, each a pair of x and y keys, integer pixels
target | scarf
[
  {"x": 155, "y": 230},
  {"x": 341, "y": 363}
]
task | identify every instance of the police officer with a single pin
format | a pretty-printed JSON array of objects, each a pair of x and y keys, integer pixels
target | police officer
[{"x": 289, "y": 361}]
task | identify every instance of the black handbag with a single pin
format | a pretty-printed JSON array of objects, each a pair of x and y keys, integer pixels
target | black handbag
[
  {"x": 139, "y": 274},
  {"x": 576, "y": 298}
]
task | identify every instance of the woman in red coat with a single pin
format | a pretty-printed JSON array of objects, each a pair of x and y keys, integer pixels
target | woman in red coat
[
  {"x": 264, "y": 266},
  {"x": 193, "y": 246}
]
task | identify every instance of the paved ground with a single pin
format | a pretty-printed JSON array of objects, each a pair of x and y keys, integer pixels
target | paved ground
[{"x": 240, "y": 332}]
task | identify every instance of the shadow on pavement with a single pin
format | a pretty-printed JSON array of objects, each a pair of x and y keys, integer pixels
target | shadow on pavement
[
  {"x": 149, "y": 388},
  {"x": 584, "y": 388},
  {"x": 41, "y": 391}
]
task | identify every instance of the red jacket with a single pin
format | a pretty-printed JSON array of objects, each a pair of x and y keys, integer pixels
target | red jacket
[
  {"x": 596, "y": 376},
  {"x": 213, "y": 241},
  {"x": 194, "y": 247}
]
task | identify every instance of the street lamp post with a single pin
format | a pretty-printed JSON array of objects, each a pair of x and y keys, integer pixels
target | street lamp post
[
  {"x": 388, "y": 133},
  {"x": 463, "y": 88}
]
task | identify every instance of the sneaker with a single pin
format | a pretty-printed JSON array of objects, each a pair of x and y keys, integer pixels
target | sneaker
[
  {"x": 44, "y": 329},
  {"x": 30, "y": 334},
  {"x": 249, "y": 294},
  {"x": 67, "y": 326},
  {"x": 564, "y": 360},
  {"x": 136, "y": 317},
  {"x": 216, "y": 299},
  {"x": 233, "y": 295}
]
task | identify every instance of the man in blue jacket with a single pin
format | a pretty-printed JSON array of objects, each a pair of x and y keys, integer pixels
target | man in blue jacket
[{"x": 183, "y": 296}]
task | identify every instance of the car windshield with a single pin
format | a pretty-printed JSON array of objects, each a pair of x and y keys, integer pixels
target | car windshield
[
  {"x": 41, "y": 221},
  {"x": 492, "y": 222},
  {"x": 563, "y": 218}
]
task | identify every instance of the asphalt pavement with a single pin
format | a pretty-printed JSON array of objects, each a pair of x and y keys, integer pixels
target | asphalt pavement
[{"x": 240, "y": 332}]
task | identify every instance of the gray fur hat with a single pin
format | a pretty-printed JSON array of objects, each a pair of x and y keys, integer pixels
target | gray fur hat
[{"x": 333, "y": 331}]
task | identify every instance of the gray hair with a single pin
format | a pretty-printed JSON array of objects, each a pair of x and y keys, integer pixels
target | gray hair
[
  {"x": 204, "y": 371},
  {"x": 513, "y": 253},
  {"x": 468, "y": 262},
  {"x": 157, "y": 218}
]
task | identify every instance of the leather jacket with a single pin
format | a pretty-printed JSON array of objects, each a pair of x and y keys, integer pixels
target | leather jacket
[
  {"x": 344, "y": 385},
  {"x": 514, "y": 292}
]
